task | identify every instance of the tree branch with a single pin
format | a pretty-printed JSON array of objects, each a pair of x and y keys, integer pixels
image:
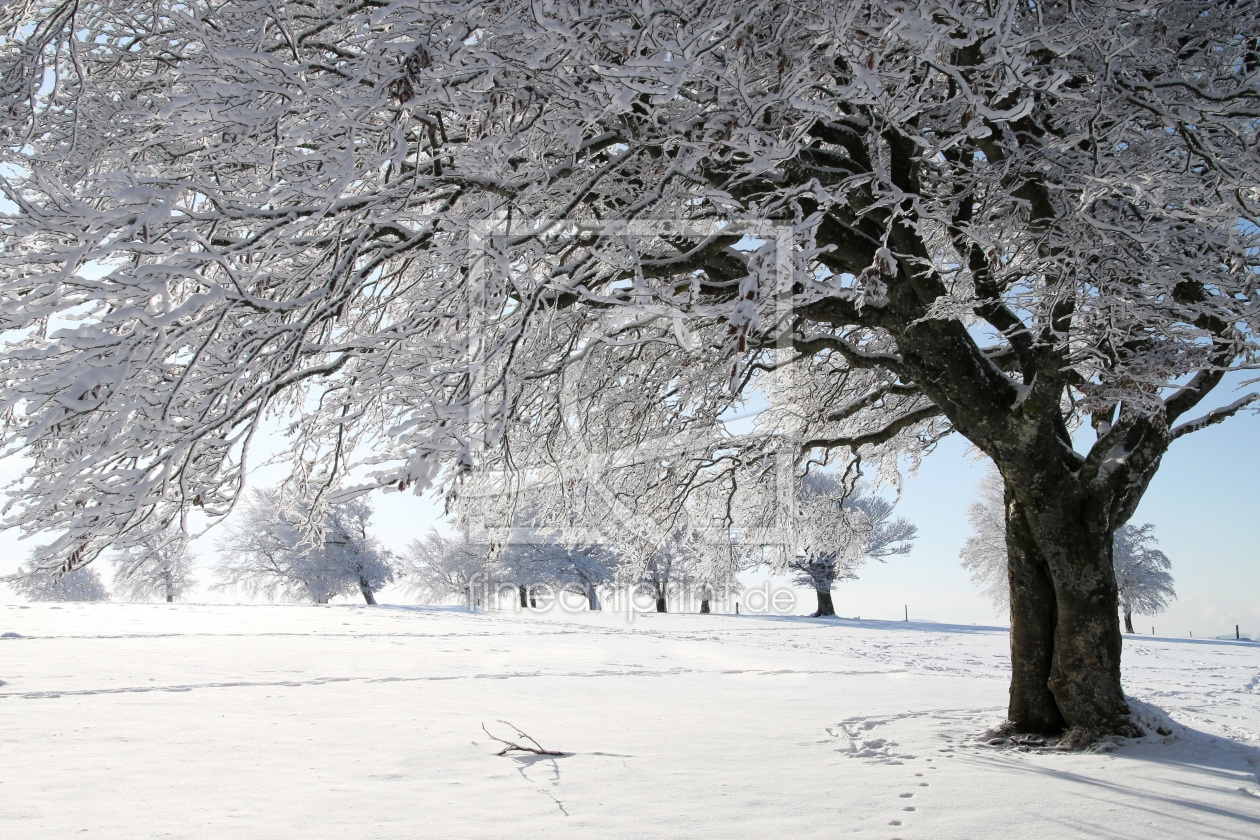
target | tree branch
[
  {"x": 879, "y": 436},
  {"x": 1213, "y": 417},
  {"x": 511, "y": 746},
  {"x": 870, "y": 398}
]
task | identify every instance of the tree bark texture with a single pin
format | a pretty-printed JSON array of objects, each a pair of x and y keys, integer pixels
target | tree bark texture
[
  {"x": 825, "y": 605},
  {"x": 1065, "y": 628},
  {"x": 1033, "y": 614}
]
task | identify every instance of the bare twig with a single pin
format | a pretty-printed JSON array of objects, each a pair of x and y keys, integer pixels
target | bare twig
[{"x": 511, "y": 746}]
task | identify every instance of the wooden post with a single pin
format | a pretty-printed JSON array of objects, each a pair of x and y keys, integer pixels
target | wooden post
[{"x": 907, "y": 612}]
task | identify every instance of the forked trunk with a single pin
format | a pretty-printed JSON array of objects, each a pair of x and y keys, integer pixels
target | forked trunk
[
  {"x": 825, "y": 606},
  {"x": 1063, "y": 603}
]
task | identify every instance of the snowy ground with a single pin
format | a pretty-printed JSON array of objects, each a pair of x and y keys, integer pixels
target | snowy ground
[{"x": 297, "y": 721}]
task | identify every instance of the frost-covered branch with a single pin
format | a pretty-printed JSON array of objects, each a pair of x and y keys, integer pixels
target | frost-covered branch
[{"x": 1216, "y": 415}]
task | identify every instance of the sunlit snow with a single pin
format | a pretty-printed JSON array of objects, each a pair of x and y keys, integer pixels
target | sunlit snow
[{"x": 186, "y": 721}]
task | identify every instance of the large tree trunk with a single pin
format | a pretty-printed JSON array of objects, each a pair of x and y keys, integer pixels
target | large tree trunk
[
  {"x": 367, "y": 592},
  {"x": 704, "y": 606},
  {"x": 526, "y": 597},
  {"x": 592, "y": 597},
  {"x": 1064, "y": 602},
  {"x": 1128, "y": 621},
  {"x": 825, "y": 606},
  {"x": 660, "y": 605}
]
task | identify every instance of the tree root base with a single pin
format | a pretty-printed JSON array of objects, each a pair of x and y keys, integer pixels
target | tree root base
[{"x": 1077, "y": 739}]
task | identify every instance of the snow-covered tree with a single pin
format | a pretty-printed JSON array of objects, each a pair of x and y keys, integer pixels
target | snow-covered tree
[
  {"x": 715, "y": 577},
  {"x": 278, "y": 546},
  {"x": 578, "y": 568},
  {"x": 1143, "y": 577},
  {"x": 437, "y": 567},
  {"x": 540, "y": 535},
  {"x": 423, "y": 226},
  {"x": 1143, "y": 573},
  {"x": 155, "y": 569},
  {"x": 350, "y": 551},
  {"x": 984, "y": 553},
  {"x": 36, "y": 584},
  {"x": 664, "y": 569},
  {"x": 840, "y": 529}
]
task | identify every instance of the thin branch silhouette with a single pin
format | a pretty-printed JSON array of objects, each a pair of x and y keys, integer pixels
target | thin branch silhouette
[{"x": 511, "y": 746}]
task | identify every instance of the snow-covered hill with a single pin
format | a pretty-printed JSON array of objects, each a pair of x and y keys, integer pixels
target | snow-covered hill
[{"x": 189, "y": 721}]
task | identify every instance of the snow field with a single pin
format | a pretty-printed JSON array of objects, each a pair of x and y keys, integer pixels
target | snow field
[{"x": 186, "y": 721}]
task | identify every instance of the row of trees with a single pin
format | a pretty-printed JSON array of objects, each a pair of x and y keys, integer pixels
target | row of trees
[
  {"x": 282, "y": 546},
  {"x": 279, "y": 548},
  {"x": 269, "y": 549},
  {"x": 158, "y": 572}
]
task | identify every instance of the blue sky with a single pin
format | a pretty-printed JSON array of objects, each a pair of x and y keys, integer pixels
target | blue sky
[{"x": 1202, "y": 503}]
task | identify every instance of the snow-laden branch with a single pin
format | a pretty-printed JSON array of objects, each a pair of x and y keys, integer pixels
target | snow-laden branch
[{"x": 1216, "y": 415}]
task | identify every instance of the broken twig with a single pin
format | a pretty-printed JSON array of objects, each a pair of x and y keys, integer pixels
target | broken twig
[{"x": 512, "y": 746}]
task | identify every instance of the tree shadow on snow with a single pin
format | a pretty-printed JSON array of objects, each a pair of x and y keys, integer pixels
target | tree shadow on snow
[{"x": 1215, "y": 777}]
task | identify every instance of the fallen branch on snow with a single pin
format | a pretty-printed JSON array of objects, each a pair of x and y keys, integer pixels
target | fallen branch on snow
[{"x": 512, "y": 746}]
